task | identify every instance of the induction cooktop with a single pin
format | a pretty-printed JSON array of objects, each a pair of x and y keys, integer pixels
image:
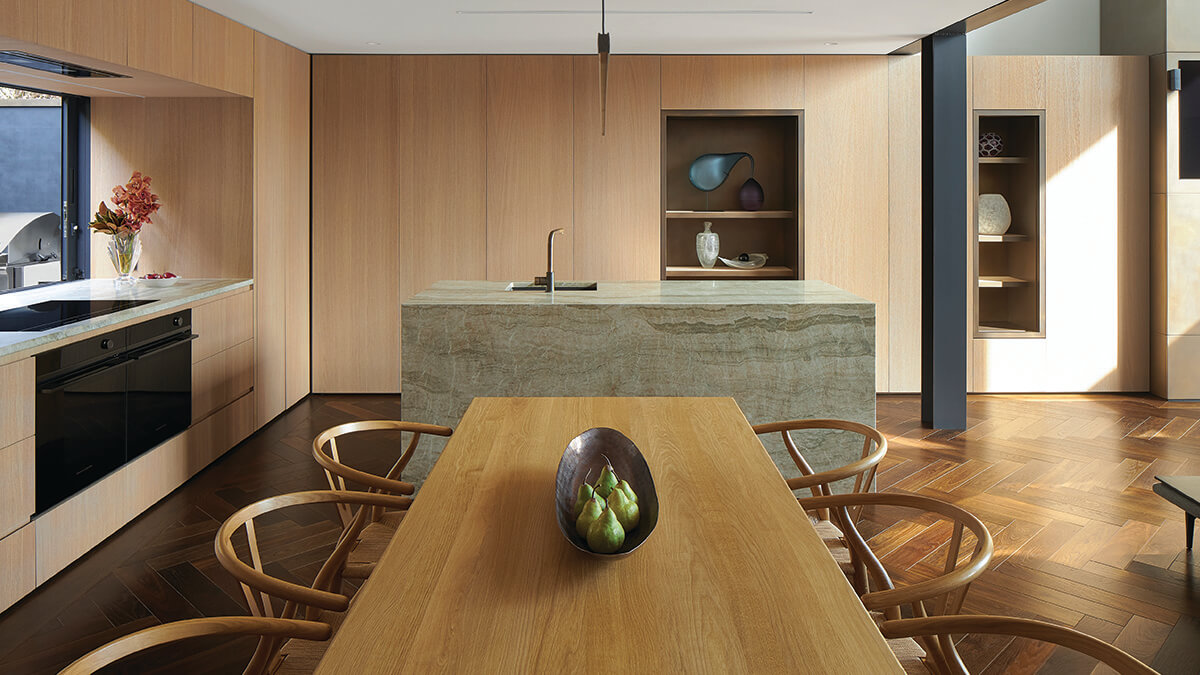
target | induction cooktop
[{"x": 54, "y": 313}]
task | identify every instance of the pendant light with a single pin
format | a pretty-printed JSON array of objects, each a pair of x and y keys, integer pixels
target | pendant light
[{"x": 602, "y": 50}]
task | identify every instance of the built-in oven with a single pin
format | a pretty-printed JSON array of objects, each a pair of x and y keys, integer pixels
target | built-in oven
[{"x": 105, "y": 400}]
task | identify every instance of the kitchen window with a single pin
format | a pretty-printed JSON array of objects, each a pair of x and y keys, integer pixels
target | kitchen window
[{"x": 43, "y": 172}]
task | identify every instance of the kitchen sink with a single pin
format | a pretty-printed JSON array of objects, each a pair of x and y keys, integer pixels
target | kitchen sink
[{"x": 558, "y": 286}]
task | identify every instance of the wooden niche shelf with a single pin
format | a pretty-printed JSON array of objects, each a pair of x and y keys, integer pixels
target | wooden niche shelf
[
  {"x": 774, "y": 139},
  {"x": 1009, "y": 268}
]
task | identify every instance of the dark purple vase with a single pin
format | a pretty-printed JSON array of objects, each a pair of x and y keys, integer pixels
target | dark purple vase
[{"x": 751, "y": 195}]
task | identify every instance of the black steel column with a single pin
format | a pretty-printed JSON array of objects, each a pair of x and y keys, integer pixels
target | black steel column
[{"x": 944, "y": 226}]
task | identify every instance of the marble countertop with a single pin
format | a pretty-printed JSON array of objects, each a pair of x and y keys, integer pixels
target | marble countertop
[
  {"x": 184, "y": 292},
  {"x": 682, "y": 293}
]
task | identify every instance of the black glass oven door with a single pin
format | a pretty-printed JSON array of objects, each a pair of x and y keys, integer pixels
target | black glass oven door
[
  {"x": 80, "y": 430},
  {"x": 160, "y": 392}
]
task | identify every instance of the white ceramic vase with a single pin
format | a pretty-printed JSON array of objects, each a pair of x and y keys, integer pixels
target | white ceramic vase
[
  {"x": 994, "y": 215},
  {"x": 708, "y": 246}
]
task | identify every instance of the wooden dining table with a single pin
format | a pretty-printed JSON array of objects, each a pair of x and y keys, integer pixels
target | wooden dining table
[{"x": 479, "y": 579}]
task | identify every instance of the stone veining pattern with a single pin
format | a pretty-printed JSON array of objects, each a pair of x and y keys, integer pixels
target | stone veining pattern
[{"x": 782, "y": 350}]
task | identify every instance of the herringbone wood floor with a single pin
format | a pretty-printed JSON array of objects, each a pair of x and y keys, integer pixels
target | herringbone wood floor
[{"x": 1063, "y": 483}]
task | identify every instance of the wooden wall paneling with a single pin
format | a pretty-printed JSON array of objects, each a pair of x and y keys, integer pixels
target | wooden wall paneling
[
  {"x": 298, "y": 232},
  {"x": 846, "y": 188},
  {"x": 904, "y": 223},
  {"x": 443, "y": 170},
  {"x": 356, "y": 241},
  {"x": 18, "y": 560},
  {"x": 222, "y": 52},
  {"x": 199, "y": 153},
  {"x": 617, "y": 201},
  {"x": 20, "y": 19},
  {"x": 16, "y": 485},
  {"x": 1097, "y": 237},
  {"x": 1009, "y": 82},
  {"x": 769, "y": 82},
  {"x": 72, "y": 528},
  {"x": 95, "y": 28},
  {"x": 529, "y": 148},
  {"x": 17, "y": 381},
  {"x": 281, "y": 225},
  {"x": 160, "y": 39},
  {"x": 1097, "y": 234}
]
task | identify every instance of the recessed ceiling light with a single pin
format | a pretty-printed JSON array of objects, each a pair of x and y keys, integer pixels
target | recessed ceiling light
[
  {"x": 831, "y": 44},
  {"x": 372, "y": 44}
]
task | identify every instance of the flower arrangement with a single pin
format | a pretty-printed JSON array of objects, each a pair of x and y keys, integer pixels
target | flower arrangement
[{"x": 135, "y": 203}]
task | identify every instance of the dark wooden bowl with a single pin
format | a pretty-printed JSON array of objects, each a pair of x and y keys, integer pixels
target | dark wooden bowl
[{"x": 587, "y": 451}]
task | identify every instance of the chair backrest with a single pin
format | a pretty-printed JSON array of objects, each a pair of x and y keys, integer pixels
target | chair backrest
[
  {"x": 337, "y": 473},
  {"x": 939, "y": 596},
  {"x": 260, "y": 587},
  {"x": 942, "y": 628},
  {"x": 861, "y": 470},
  {"x": 134, "y": 643}
]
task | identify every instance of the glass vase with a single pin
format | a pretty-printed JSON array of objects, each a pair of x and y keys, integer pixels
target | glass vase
[
  {"x": 708, "y": 246},
  {"x": 124, "y": 249}
]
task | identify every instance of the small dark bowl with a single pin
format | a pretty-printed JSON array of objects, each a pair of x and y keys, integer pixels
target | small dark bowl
[{"x": 587, "y": 451}]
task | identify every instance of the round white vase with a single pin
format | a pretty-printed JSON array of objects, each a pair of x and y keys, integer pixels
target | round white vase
[{"x": 994, "y": 215}]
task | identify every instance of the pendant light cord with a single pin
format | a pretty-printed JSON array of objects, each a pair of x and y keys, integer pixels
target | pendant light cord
[{"x": 602, "y": 29}]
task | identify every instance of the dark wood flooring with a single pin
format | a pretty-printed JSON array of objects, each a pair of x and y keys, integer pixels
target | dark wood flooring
[{"x": 1063, "y": 483}]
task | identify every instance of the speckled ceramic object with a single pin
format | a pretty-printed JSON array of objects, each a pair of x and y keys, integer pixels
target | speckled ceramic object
[{"x": 994, "y": 215}]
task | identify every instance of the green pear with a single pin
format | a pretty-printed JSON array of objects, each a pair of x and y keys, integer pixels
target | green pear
[
  {"x": 585, "y": 493},
  {"x": 625, "y": 487},
  {"x": 591, "y": 511},
  {"x": 625, "y": 509},
  {"x": 606, "y": 482},
  {"x": 605, "y": 534}
]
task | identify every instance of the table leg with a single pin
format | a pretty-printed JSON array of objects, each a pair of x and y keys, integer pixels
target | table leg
[{"x": 1191, "y": 526}]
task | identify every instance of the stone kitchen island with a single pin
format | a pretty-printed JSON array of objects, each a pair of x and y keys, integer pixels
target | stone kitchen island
[{"x": 782, "y": 349}]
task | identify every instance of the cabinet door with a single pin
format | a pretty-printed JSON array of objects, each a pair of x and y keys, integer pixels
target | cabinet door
[
  {"x": 529, "y": 145},
  {"x": 355, "y": 225},
  {"x": 281, "y": 233},
  {"x": 18, "y": 559},
  {"x": 17, "y": 381},
  {"x": 161, "y": 39},
  {"x": 95, "y": 28},
  {"x": 733, "y": 82},
  {"x": 16, "y": 485},
  {"x": 20, "y": 19},
  {"x": 616, "y": 193},
  {"x": 222, "y": 53}
]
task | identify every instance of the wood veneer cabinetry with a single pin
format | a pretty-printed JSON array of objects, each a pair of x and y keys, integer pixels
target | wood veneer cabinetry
[
  {"x": 20, "y": 19},
  {"x": 356, "y": 245},
  {"x": 443, "y": 170},
  {"x": 617, "y": 200},
  {"x": 160, "y": 39},
  {"x": 18, "y": 561},
  {"x": 222, "y": 52},
  {"x": 758, "y": 82},
  {"x": 95, "y": 28},
  {"x": 282, "y": 129},
  {"x": 17, "y": 381},
  {"x": 16, "y": 485},
  {"x": 529, "y": 165}
]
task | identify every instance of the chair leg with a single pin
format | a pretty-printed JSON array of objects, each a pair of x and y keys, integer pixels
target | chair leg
[{"x": 1190, "y": 522}]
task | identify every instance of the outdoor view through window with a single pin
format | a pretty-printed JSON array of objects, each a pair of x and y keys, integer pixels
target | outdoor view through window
[{"x": 31, "y": 191}]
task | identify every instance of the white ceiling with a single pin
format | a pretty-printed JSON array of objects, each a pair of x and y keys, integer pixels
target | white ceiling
[{"x": 636, "y": 26}]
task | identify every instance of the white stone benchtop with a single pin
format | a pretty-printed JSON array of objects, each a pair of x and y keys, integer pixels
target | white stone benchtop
[
  {"x": 183, "y": 293},
  {"x": 642, "y": 293}
]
